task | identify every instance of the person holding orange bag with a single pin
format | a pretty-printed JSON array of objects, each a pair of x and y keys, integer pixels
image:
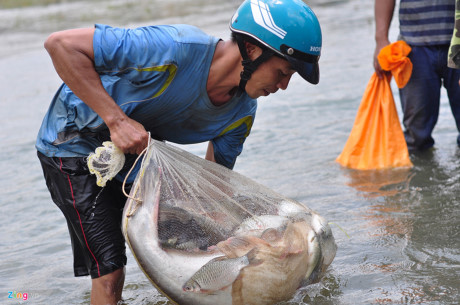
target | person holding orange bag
[
  {"x": 376, "y": 140},
  {"x": 427, "y": 27}
]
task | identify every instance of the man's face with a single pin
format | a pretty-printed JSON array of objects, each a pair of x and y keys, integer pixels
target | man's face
[{"x": 271, "y": 75}]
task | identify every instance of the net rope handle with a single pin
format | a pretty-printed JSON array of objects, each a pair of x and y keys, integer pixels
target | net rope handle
[{"x": 131, "y": 169}]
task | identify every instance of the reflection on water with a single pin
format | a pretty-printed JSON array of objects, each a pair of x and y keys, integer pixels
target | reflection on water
[
  {"x": 385, "y": 182},
  {"x": 414, "y": 223}
]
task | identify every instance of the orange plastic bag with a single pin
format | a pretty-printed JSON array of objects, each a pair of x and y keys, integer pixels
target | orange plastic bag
[{"x": 376, "y": 140}]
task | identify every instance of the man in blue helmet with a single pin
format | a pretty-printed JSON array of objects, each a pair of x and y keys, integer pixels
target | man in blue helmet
[{"x": 172, "y": 81}]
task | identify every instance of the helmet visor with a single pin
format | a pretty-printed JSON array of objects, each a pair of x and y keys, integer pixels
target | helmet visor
[{"x": 309, "y": 71}]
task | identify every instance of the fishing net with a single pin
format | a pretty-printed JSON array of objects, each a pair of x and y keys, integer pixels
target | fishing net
[
  {"x": 202, "y": 203},
  {"x": 184, "y": 212}
]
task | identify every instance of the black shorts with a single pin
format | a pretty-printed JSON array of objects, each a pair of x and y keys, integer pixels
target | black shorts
[{"x": 93, "y": 214}]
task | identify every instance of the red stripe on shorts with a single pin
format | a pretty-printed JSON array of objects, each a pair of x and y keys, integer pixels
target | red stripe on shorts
[{"x": 78, "y": 214}]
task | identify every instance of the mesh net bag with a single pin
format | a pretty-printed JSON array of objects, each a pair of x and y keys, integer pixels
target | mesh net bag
[
  {"x": 191, "y": 221},
  {"x": 105, "y": 162}
]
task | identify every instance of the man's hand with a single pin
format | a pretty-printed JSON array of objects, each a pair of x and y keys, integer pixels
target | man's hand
[
  {"x": 379, "y": 46},
  {"x": 129, "y": 136}
]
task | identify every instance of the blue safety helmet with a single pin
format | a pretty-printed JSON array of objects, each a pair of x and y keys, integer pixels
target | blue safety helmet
[{"x": 288, "y": 28}]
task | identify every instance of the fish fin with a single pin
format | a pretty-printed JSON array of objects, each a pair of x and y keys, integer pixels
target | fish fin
[
  {"x": 207, "y": 291},
  {"x": 258, "y": 242},
  {"x": 214, "y": 292},
  {"x": 271, "y": 235},
  {"x": 233, "y": 246},
  {"x": 217, "y": 259},
  {"x": 214, "y": 249},
  {"x": 252, "y": 258}
]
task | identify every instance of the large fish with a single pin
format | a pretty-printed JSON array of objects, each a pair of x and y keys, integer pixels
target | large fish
[
  {"x": 289, "y": 259},
  {"x": 200, "y": 221}
]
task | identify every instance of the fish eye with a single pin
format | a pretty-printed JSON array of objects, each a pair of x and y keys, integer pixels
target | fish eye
[{"x": 188, "y": 288}]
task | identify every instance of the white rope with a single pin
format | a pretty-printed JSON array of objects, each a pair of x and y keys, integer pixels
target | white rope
[{"x": 131, "y": 169}]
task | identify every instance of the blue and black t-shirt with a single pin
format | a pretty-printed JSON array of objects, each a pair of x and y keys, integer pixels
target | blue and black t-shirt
[{"x": 158, "y": 76}]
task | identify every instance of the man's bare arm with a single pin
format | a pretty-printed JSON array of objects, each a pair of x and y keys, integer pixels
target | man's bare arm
[
  {"x": 210, "y": 152},
  {"x": 383, "y": 12},
  {"x": 72, "y": 54}
]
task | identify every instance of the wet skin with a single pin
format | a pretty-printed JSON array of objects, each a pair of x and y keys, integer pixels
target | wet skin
[{"x": 270, "y": 76}]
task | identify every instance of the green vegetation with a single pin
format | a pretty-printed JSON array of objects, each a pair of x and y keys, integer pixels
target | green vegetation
[{"x": 4, "y": 4}]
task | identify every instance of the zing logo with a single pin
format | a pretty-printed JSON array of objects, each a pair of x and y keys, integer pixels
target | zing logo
[{"x": 18, "y": 295}]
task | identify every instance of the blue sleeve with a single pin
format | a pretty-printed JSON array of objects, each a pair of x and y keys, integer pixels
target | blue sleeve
[
  {"x": 229, "y": 146},
  {"x": 129, "y": 52}
]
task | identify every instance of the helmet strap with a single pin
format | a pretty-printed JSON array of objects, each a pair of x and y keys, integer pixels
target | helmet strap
[{"x": 249, "y": 66}]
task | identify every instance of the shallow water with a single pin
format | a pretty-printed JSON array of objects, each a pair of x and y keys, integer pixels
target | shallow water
[{"x": 397, "y": 231}]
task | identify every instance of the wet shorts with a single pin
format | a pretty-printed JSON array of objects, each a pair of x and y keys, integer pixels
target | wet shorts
[{"x": 93, "y": 214}]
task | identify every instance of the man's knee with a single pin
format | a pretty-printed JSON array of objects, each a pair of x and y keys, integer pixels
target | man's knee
[{"x": 110, "y": 284}]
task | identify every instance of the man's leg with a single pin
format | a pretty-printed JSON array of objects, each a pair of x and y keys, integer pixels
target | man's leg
[
  {"x": 93, "y": 216},
  {"x": 452, "y": 85},
  {"x": 108, "y": 288},
  {"x": 420, "y": 99}
]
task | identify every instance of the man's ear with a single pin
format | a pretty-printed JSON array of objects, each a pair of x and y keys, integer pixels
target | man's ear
[{"x": 252, "y": 50}]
